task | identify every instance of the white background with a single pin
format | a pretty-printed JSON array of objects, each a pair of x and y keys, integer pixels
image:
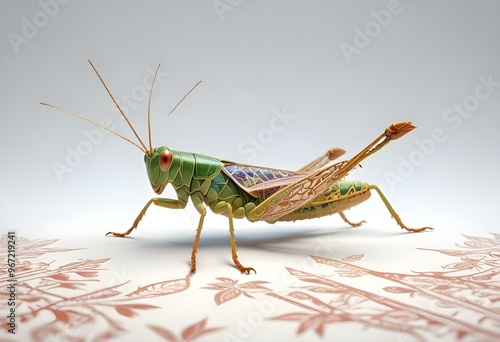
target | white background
[{"x": 255, "y": 58}]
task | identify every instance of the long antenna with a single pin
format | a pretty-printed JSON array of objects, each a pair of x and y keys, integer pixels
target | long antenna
[
  {"x": 95, "y": 123},
  {"x": 149, "y": 107},
  {"x": 117, "y": 106},
  {"x": 189, "y": 92}
]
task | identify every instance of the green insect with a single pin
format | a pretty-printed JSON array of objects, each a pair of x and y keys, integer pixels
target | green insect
[{"x": 253, "y": 192}]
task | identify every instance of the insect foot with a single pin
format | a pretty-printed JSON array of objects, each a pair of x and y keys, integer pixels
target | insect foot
[
  {"x": 399, "y": 129},
  {"x": 245, "y": 270},
  {"x": 121, "y": 234}
]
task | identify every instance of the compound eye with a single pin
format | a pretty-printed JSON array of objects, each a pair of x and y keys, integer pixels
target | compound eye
[{"x": 165, "y": 159}]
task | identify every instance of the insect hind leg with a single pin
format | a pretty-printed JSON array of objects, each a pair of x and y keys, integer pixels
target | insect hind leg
[{"x": 393, "y": 212}]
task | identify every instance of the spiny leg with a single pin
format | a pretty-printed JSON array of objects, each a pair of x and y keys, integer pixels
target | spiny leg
[
  {"x": 198, "y": 203},
  {"x": 237, "y": 263},
  {"x": 354, "y": 224},
  {"x": 162, "y": 202},
  {"x": 195, "y": 244},
  {"x": 136, "y": 221},
  {"x": 394, "y": 214},
  {"x": 299, "y": 193}
]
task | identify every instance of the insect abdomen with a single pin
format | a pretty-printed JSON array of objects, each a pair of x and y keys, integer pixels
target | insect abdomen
[{"x": 341, "y": 196}]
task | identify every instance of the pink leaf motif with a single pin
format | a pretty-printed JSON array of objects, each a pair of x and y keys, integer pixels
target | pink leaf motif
[
  {"x": 230, "y": 289},
  {"x": 450, "y": 252},
  {"x": 350, "y": 273},
  {"x": 461, "y": 334},
  {"x": 26, "y": 248},
  {"x": 352, "y": 258},
  {"x": 398, "y": 289},
  {"x": 165, "y": 333},
  {"x": 60, "y": 276},
  {"x": 71, "y": 285},
  {"x": 162, "y": 288},
  {"x": 480, "y": 242},
  {"x": 71, "y": 317},
  {"x": 299, "y": 295},
  {"x": 128, "y": 309},
  {"x": 321, "y": 289},
  {"x": 124, "y": 311},
  {"x": 28, "y": 299},
  {"x": 291, "y": 317},
  {"x": 461, "y": 265},
  {"x": 192, "y": 331},
  {"x": 495, "y": 299},
  {"x": 87, "y": 274},
  {"x": 226, "y": 295},
  {"x": 228, "y": 281},
  {"x": 61, "y": 315},
  {"x": 304, "y": 276},
  {"x": 328, "y": 261},
  {"x": 196, "y": 330},
  {"x": 142, "y": 306},
  {"x": 84, "y": 264},
  {"x": 316, "y": 323},
  {"x": 255, "y": 285}
]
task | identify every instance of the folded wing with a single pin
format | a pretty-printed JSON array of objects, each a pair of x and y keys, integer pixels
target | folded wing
[{"x": 260, "y": 182}]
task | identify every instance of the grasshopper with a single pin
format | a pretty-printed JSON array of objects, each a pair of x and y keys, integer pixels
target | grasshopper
[{"x": 253, "y": 192}]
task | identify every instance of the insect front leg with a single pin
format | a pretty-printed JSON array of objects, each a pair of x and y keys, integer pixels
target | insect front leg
[
  {"x": 200, "y": 207},
  {"x": 179, "y": 203}
]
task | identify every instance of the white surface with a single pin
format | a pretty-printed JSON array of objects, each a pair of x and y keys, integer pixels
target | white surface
[{"x": 254, "y": 59}]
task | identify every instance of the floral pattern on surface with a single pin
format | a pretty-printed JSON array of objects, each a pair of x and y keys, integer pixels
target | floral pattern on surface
[
  {"x": 230, "y": 289},
  {"x": 62, "y": 291},
  {"x": 460, "y": 301},
  {"x": 71, "y": 301}
]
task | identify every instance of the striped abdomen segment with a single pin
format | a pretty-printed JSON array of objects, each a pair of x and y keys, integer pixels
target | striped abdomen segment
[{"x": 341, "y": 196}]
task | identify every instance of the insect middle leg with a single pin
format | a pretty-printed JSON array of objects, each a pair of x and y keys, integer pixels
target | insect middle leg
[
  {"x": 346, "y": 220},
  {"x": 226, "y": 208}
]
